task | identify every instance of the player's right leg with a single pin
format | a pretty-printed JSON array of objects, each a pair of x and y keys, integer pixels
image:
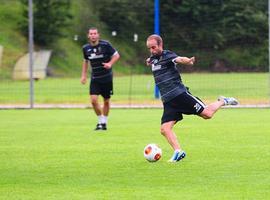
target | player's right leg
[
  {"x": 228, "y": 100},
  {"x": 95, "y": 91},
  {"x": 97, "y": 109},
  {"x": 212, "y": 108}
]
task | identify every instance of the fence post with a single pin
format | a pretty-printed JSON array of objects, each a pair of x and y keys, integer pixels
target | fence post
[
  {"x": 30, "y": 43},
  {"x": 156, "y": 32}
]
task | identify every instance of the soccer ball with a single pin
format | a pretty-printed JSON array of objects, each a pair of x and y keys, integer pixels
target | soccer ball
[{"x": 152, "y": 152}]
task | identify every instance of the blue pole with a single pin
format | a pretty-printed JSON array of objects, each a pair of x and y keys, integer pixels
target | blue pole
[
  {"x": 157, "y": 17},
  {"x": 156, "y": 32}
]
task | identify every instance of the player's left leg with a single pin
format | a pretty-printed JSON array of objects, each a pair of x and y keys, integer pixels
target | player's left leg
[
  {"x": 167, "y": 132},
  {"x": 106, "y": 92},
  {"x": 106, "y": 110}
]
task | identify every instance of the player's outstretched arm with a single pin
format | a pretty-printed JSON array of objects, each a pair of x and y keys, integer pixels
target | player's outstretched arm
[{"x": 185, "y": 60}]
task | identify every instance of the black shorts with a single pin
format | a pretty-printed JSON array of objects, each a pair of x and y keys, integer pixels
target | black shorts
[
  {"x": 103, "y": 89},
  {"x": 184, "y": 103}
]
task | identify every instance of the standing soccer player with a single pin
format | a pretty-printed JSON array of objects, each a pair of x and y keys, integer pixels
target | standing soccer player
[
  {"x": 176, "y": 98},
  {"x": 101, "y": 56}
]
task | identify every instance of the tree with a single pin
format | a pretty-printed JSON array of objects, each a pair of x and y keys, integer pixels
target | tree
[
  {"x": 50, "y": 17},
  {"x": 127, "y": 17}
]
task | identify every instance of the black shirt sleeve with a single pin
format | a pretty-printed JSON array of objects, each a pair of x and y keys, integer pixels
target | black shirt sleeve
[
  {"x": 84, "y": 53},
  {"x": 110, "y": 49}
]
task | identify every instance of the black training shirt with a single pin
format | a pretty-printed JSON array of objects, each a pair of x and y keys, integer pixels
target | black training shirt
[
  {"x": 166, "y": 75},
  {"x": 97, "y": 55}
]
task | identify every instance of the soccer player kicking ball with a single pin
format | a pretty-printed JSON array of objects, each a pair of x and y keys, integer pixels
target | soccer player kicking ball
[{"x": 176, "y": 98}]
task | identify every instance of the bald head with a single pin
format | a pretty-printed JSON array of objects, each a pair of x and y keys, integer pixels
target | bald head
[
  {"x": 155, "y": 44},
  {"x": 157, "y": 38}
]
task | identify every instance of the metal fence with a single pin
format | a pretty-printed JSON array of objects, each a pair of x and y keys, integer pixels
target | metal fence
[{"x": 251, "y": 89}]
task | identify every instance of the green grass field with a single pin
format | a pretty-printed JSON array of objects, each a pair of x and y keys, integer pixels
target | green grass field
[
  {"x": 249, "y": 88},
  {"x": 54, "y": 154}
]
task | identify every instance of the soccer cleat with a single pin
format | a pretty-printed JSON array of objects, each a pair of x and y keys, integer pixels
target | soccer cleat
[
  {"x": 98, "y": 127},
  {"x": 177, "y": 156},
  {"x": 104, "y": 127},
  {"x": 228, "y": 100}
]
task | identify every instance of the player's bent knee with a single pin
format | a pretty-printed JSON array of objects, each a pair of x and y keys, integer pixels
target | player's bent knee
[
  {"x": 164, "y": 130},
  {"x": 206, "y": 115}
]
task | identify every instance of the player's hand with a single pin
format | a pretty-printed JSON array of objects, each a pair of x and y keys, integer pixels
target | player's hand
[
  {"x": 107, "y": 65},
  {"x": 192, "y": 60},
  {"x": 83, "y": 80},
  {"x": 148, "y": 62}
]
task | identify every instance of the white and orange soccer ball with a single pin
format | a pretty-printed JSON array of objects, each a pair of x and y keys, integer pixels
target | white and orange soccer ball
[{"x": 152, "y": 152}]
